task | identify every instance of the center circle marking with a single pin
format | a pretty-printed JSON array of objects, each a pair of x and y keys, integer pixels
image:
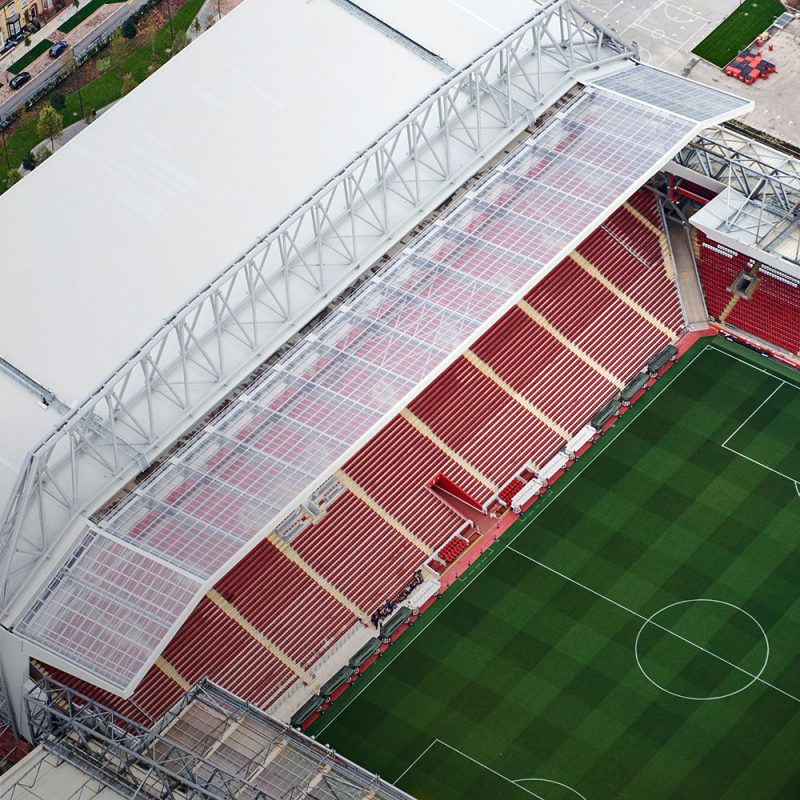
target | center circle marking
[{"x": 651, "y": 620}]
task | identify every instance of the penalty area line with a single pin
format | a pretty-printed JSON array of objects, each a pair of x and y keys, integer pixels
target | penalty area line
[
  {"x": 753, "y": 413},
  {"x": 518, "y": 782}
]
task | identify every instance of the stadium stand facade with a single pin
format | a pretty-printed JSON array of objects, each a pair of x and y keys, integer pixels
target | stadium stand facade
[
  {"x": 362, "y": 457},
  {"x": 514, "y": 399}
]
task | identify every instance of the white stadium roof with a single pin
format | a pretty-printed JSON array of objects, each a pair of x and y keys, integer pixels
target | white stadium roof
[
  {"x": 454, "y": 30},
  {"x": 160, "y": 194},
  {"x": 184, "y": 174},
  {"x": 23, "y": 421},
  {"x": 122, "y": 591}
]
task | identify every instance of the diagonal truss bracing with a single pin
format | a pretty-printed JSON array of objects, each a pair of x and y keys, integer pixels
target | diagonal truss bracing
[
  {"x": 211, "y": 746},
  {"x": 288, "y": 276},
  {"x": 768, "y": 180}
]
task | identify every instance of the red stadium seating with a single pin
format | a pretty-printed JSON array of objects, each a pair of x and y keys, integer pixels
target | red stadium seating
[
  {"x": 718, "y": 267},
  {"x": 357, "y": 550},
  {"x": 543, "y": 370},
  {"x": 772, "y": 311},
  {"x": 482, "y": 436},
  {"x": 395, "y": 469},
  {"x": 473, "y": 415},
  {"x": 771, "y": 308}
]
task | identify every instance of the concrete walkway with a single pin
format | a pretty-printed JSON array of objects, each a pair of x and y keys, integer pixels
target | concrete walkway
[{"x": 688, "y": 282}]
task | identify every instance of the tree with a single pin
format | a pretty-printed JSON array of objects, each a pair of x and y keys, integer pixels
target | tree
[
  {"x": 49, "y": 124},
  {"x": 129, "y": 29},
  {"x": 12, "y": 176},
  {"x": 128, "y": 83},
  {"x": 58, "y": 101},
  {"x": 196, "y": 27},
  {"x": 43, "y": 155},
  {"x": 76, "y": 3},
  {"x": 118, "y": 48},
  {"x": 210, "y": 21},
  {"x": 179, "y": 42},
  {"x": 29, "y": 162}
]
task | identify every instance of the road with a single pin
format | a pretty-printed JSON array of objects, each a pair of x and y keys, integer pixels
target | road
[{"x": 65, "y": 63}]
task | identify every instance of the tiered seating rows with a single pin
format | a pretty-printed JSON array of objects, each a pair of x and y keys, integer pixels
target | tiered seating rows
[
  {"x": 646, "y": 203},
  {"x": 155, "y": 694},
  {"x": 510, "y": 490},
  {"x": 395, "y": 469},
  {"x": 451, "y": 551},
  {"x": 718, "y": 267},
  {"x": 543, "y": 370},
  {"x": 593, "y": 318},
  {"x": 357, "y": 550},
  {"x": 360, "y": 552},
  {"x": 211, "y": 643},
  {"x": 772, "y": 312},
  {"x": 633, "y": 261},
  {"x": 302, "y": 613},
  {"x": 482, "y": 422}
]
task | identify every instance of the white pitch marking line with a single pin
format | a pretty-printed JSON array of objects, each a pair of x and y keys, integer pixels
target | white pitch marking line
[
  {"x": 710, "y": 698},
  {"x": 414, "y": 762},
  {"x": 764, "y": 466},
  {"x": 747, "y": 363},
  {"x": 652, "y": 622},
  {"x": 645, "y": 403},
  {"x": 489, "y": 769},
  {"x": 753, "y": 413},
  {"x": 547, "y": 780}
]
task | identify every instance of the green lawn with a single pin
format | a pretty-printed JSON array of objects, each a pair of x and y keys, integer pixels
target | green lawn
[
  {"x": 738, "y": 30},
  {"x": 30, "y": 56},
  {"x": 84, "y": 12},
  {"x": 634, "y": 636}
]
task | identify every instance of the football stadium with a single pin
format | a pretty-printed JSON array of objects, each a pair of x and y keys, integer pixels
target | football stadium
[{"x": 428, "y": 430}]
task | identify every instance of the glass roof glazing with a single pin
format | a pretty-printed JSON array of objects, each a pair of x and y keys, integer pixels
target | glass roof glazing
[
  {"x": 240, "y": 473},
  {"x": 673, "y": 93}
]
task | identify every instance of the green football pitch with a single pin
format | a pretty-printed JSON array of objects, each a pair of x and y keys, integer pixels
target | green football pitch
[{"x": 635, "y": 635}]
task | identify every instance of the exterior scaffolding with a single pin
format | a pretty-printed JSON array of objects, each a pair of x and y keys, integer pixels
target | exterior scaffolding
[{"x": 211, "y": 746}]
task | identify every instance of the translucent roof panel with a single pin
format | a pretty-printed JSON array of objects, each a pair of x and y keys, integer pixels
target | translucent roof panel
[
  {"x": 673, "y": 93},
  {"x": 106, "y": 586},
  {"x": 239, "y": 475}
]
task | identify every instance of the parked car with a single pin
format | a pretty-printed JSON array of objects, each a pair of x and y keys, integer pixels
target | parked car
[
  {"x": 9, "y": 45},
  {"x": 57, "y": 49},
  {"x": 19, "y": 80}
]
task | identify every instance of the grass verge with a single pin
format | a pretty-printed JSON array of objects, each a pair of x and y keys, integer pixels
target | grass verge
[
  {"x": 83, "y": 13},
  {"x": 104, "y": 89},
  {"x": 30, "y": 56}
]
